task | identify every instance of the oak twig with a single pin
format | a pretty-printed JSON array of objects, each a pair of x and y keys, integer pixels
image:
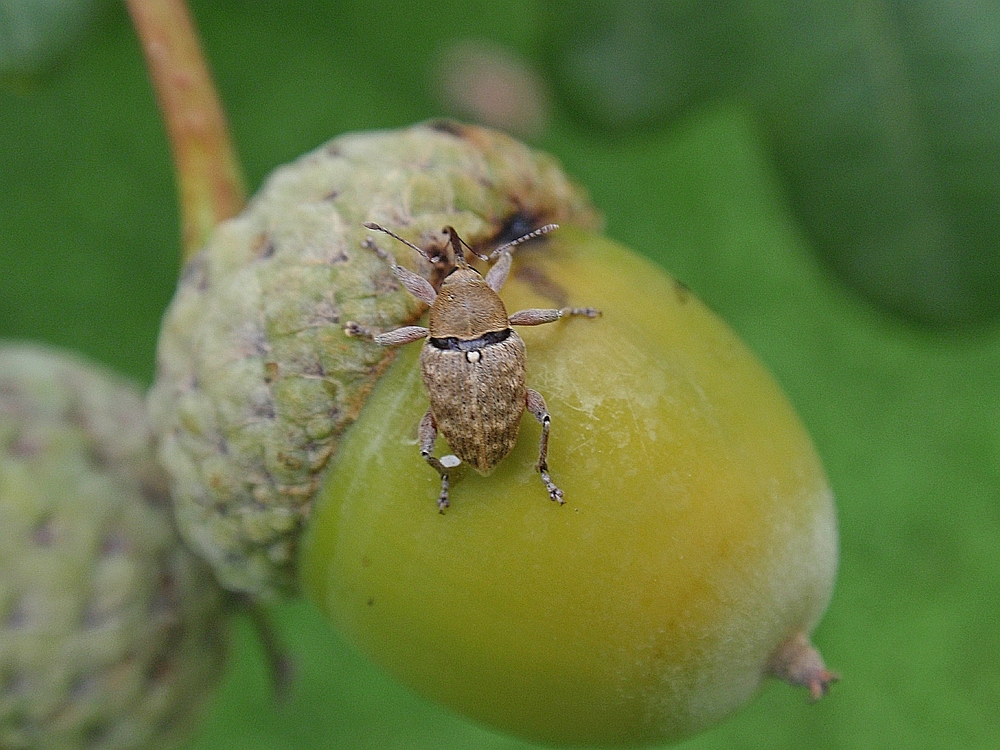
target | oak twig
[{"x": 209, "y": 179}]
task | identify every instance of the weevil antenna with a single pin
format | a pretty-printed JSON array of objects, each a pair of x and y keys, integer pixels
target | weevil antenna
[
  {"x": 469, "y": 248},
  {"x": 529, "y": 236},
  {"x": 380, "y": 228}
]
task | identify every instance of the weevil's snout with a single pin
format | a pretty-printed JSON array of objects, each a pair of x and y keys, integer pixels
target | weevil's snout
[{"x": 455, "y": 242}]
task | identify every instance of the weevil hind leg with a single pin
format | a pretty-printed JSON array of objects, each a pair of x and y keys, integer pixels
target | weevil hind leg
[
  {"x": 427, "y": 436},
  {"x": 536, "y": 405}
]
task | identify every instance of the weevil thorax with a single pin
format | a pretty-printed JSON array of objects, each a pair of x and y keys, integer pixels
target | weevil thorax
[{"x": 466, "y": 308}]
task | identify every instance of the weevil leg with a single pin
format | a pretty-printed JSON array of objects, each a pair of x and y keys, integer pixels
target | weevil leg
[
  {"x": 415, "y": 284},
  {"x": 395, "y": 337},
  {"x": 536, "y": 405},
  {"x": 536, "y": 316},
  {"x": 497, "y": 274},
  {"x": 427, "y": 435}
]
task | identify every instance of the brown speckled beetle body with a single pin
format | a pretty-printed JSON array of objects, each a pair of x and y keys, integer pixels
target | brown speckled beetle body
[{"x": 473, "y": 363}]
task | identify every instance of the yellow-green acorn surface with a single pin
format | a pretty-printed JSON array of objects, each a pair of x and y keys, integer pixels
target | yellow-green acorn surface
[{"x": 694, "y": 555}]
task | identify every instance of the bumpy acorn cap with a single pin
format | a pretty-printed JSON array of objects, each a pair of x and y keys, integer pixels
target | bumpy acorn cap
[
  {"x": 256, "y": 378},
  {"x": 111, "y": 633}
]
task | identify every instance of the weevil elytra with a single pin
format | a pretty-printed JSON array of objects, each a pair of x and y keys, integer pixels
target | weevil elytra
[{"x": 473, "y": 363}]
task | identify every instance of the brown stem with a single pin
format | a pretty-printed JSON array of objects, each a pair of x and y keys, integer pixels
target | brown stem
[
  {"x": 278, "y": 660},
  {"x": 209, "y": 181},
  {"x": 797, "y": 662}
]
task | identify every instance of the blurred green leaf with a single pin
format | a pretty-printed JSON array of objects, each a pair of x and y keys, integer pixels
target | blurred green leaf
[
  {"x": 884, "y": 121},
  {"x": 35, "y": 33},
  {"x": 639, "y": 63}
]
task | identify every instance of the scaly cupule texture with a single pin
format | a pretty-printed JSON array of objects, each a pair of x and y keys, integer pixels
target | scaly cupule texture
[{"x": 112, "y": 634}]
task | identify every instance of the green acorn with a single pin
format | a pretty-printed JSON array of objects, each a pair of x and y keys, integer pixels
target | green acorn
[
  {"x": 256, "y": 378},
  {"x": 697, "y": 548},
  {"x": 112, "y": 634}
]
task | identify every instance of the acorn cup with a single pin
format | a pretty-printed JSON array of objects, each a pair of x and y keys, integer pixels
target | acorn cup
[
  {"x": 697, "y": 546},
  {"x": 112, "y": 634}
]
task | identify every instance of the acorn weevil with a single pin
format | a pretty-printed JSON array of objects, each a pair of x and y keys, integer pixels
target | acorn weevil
[{"x": 473, "y": 363}]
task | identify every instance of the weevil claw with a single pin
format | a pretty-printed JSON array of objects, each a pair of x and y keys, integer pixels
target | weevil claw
[{"x": 555, "y": 494}]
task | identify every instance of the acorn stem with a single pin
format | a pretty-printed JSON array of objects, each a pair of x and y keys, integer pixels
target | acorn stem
[
  {"x": 798, "y": 663},
  {"x": 279, "y": 662},
  {"x": 209, "y": 178}
]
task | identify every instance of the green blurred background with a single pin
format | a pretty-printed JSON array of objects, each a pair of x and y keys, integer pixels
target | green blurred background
[{"x": 824, "y": 175}]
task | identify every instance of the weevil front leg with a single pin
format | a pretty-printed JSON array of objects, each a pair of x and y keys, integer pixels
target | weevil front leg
[
  {"x": 535, "y": 316},
  {"x": 395, "y": 337},
  {"x": 536, "y": 405},
  {"x": 497, "y": 275},
  {"x": 414, "y": 283},
  {"x": 427, "y": 436}
]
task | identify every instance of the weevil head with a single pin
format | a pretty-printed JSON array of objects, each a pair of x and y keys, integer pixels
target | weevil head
[
  {"x": 466, "y": 307},
  {"x": 446, "y": 257}
]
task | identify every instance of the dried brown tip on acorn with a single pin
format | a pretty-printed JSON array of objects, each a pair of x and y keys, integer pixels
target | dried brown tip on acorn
[{"x": 798, "y": 663}]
